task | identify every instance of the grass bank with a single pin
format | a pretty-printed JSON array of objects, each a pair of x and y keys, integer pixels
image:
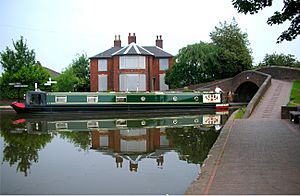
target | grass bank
[
  {"x": 295, "y": 94},
  {"x": 240, "y": 113}
]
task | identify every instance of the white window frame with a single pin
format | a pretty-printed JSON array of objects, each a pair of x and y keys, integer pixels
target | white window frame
[
  {"x": 92, "y": 124},
  {"x": 89, "y": 98},
  {"x": 61, "y": 125},
  {"x": 127, "y": 86},
  {"x": 132, "y": 62},
  {"x": 102, "y": 64},
  {"x": 60, "y": 99},
  {"x": 102, "y": 76},
  {"x": 162, "y": 65}
]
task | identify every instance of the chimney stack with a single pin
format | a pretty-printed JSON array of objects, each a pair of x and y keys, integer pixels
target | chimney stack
[
  {"x": 131, "y": 38},
  {"x": 159, "y": 42},
  {"x": 117, "y": 42}
]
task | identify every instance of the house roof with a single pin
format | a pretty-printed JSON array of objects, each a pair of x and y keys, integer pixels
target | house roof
[
  {"x": 157, "y": 51},
  {"x": 133, "y": 49},
  {"x": 107, "y": 53},
  {"x": 52, "y": 72}
]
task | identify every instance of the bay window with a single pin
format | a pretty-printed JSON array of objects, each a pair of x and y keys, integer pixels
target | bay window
[{"x": 132, "y": 62}]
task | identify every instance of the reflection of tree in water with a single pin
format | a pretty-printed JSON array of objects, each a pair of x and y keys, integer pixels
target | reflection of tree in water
[
  {"x": 22, "y": 148},
  {"x": 192, "y": 144},
  {"x": 80, "y": 139}
]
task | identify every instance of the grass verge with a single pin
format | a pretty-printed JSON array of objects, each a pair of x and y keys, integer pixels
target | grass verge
[
  {"x": 240, "y": 113},
  {"x": 295, "y": 94}
]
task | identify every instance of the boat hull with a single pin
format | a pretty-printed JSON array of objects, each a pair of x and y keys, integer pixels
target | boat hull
[{"x": 107, "y": 107}]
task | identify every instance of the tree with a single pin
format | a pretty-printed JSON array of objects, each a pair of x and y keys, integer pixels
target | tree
[
  {"x": 235, "y": 56},
  {"x": 289, "y": 12},
  {"x": 194, "y": 64},
  {"x": 76, "y": 77},
  {"x": 279, "y": 60},
  {"x": 81, "y": 69},
  {"x": 226, "y": 56},
  {"x": 19, "y": 65},
  {"x": 21, "y": 56},
  {"x": 66, "y": 81}
]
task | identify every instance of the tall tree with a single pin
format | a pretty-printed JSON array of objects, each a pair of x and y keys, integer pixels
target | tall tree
[
  {"x": 20, "y": 66},
  {"x": 226, "y": 56},
  {"x": 194, "y": 64},
  {"x": 12, "y": 60},
  {"x": 289, "y": 12},
  {"x": 81, "y": 69},
  {"x": 235, "y": 55},
  {"x": 279, "y": 60}
]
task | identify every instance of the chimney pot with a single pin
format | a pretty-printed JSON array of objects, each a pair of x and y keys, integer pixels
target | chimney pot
[
  {"x": 117, "y": 42},
  {"x": 131, "y": 38},
  {"x": 159, "y": 41}
]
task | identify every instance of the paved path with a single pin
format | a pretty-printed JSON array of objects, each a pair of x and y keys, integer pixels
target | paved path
[
  {"x": 259, "y": 155},
  {"x": 277, "y": 95}
]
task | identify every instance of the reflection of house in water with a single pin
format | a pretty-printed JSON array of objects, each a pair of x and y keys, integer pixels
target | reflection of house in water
[{"x": 132, "y": 145}]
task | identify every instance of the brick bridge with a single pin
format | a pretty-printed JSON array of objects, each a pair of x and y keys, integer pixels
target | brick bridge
[{"x": 246, "y": 84}]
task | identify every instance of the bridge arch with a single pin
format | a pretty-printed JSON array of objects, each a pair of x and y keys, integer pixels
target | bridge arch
[{"x": 245, "y": 91}]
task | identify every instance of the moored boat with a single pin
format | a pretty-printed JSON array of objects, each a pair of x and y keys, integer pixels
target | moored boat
[{"x": 51, "y": 102}]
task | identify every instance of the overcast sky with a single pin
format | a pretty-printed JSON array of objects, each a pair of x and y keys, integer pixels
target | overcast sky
[{"x": 59, "y": 29}]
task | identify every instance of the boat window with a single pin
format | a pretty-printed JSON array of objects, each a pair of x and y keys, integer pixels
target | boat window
[
  {"x": 35, "y": 99},
  {"x": 121, "y": 99},
  {"x": 121, "y": 123},
  {"x": 92, "y": 124},
  {"x": 92, "y": 99},
  {"x": 61, "y": 125},
  {"x": 60, "y": 99}
]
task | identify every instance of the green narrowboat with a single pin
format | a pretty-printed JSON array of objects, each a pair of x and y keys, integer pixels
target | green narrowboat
[{"x": 51, "y": 102}]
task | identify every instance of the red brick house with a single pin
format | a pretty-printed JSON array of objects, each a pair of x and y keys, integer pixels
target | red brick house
[{"x": 130, "y": 68}]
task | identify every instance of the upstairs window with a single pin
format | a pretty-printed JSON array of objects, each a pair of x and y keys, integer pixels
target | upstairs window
[
  {"x": 102, "y": 65},
  {"x": 132, "y": 62},
  {"x": 163, "y": 64}
]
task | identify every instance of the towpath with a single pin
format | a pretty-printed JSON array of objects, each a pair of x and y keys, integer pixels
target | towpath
[{"x": 258, "y": 155}]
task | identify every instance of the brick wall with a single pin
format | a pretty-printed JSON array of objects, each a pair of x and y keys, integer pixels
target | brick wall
[
  {"x": 282, "y": 73},
  {"x": 94, "y": 75}
]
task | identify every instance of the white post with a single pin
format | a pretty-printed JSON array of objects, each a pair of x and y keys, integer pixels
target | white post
[{"x": 35, "y": 87}]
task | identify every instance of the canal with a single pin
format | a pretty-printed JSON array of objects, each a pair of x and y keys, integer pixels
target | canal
[{"x": 115, "y": 154}]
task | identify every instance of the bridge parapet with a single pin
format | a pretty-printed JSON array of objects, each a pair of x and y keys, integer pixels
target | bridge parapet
[
  {"x": 281, "y": 72},
  {"x": 232, "y": 84}
]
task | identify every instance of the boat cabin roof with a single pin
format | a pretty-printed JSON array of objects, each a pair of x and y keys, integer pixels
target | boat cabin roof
[
  {"x": 121, "y": 93},
  {"x": 36, "y": 92}
]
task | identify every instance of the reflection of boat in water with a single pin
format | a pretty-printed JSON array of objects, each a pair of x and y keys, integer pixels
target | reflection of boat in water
[
  {"x": 53, "y": 102},
  {"x": 197, "y": 121},
  {"x": 129, "y": 141}
]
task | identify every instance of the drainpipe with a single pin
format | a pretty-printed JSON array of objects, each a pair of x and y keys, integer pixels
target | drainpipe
[{"x": 149, "y": 78}]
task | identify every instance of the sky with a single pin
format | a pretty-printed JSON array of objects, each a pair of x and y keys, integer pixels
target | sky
[{"x": 58, "y": 30}]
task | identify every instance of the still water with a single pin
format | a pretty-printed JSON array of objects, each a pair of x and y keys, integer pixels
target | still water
[{"x": 104, "y": 155}]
